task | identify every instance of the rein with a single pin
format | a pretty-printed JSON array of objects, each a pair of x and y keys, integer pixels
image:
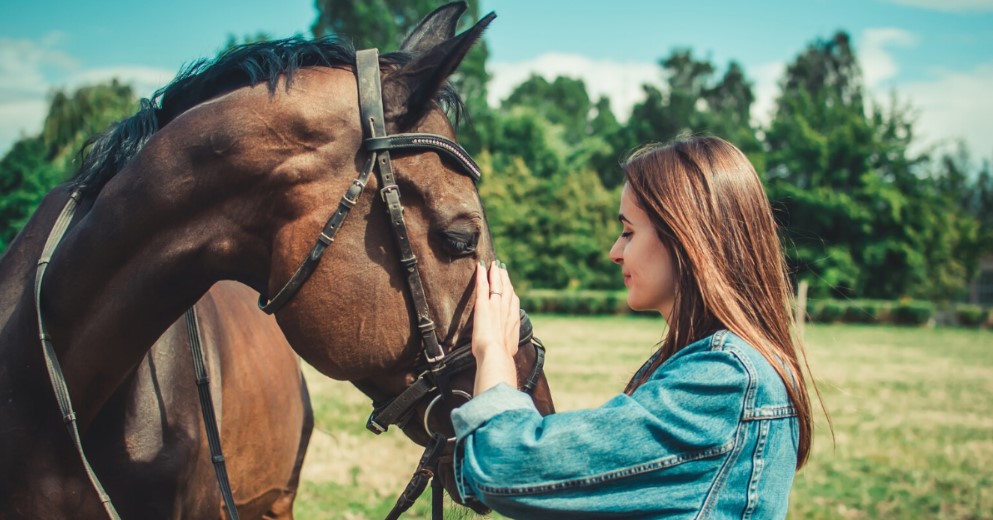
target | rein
[
  {"x": 57, "y": 378},
  {"x": 434, "y": 378},
  {"x": 55, "y": 375}
]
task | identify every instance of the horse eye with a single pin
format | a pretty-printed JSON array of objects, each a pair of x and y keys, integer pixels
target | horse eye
[{"x": 458, "y": 243}]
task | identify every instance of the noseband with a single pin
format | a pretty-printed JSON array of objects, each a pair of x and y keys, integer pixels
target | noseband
[{"x": 435, "y": 375}]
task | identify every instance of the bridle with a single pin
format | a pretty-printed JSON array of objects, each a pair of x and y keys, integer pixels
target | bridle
[{"x": 435, "y": 375}]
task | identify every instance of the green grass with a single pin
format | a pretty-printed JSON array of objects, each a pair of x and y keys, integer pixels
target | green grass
[{"x": 912, "y": 411}]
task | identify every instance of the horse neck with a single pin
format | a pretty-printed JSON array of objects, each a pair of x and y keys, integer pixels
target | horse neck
[{"x": 151, "y": 245}]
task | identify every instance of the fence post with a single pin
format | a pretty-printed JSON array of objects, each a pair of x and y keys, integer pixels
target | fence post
[{"x": 801, "y": 308}]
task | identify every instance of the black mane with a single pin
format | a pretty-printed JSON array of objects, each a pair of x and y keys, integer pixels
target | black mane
[{"x": 247, "y": 65}]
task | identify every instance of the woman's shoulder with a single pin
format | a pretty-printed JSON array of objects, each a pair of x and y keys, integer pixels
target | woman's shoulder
[{"x": 763, "y": 383}]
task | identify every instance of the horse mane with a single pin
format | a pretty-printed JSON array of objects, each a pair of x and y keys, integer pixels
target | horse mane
[{"x": 247, "y": 65}]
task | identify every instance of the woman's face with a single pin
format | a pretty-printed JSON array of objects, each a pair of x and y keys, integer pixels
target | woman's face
[{"x": 645, "y": 262}]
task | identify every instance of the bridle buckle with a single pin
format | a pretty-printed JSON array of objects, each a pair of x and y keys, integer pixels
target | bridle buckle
[{"x": 389, "y": 189}]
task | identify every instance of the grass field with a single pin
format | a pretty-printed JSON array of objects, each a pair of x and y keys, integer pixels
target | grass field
[{"x": 912, "y": 411}]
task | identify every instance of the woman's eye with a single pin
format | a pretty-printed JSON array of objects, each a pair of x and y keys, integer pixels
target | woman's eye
[{"x": 626, "y": 234}]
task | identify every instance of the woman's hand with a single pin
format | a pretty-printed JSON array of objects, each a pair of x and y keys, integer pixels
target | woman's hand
[{"x": 496, "y": 328}]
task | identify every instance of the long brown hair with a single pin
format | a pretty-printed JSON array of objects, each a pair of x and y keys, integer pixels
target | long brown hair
[{"x": 708, "y": 206}]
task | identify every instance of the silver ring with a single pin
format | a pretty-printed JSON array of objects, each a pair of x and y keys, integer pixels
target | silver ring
[
  {"x": 427, "y": 411},
  {"x": 496, "y": 292}
]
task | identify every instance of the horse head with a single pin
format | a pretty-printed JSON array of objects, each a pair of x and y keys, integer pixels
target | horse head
[{"x": 392, "y": 295}]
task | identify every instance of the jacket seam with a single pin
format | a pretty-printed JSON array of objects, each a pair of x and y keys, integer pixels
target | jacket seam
[
  {"x": 706, "y": 508},
  {"x": 758, "y": 464},
  {"x": 639, "y": 469},
  {"x": 769, "y": 412},
  {"x": 720, "y": 479}
]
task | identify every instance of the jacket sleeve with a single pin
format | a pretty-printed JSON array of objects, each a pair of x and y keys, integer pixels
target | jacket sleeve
[{"x": 520, "y": 463}]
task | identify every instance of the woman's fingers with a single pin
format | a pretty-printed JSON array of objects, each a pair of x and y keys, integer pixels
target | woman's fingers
[
  {"x": 495, "y": 279},
  {"x": 497, "y": 315},
  {"x": 482, "y": 285}
]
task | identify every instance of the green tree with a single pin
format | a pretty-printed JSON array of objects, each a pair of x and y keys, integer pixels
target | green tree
[
  {"x": 26, "y": 175},
  {"x": 74, "y": 118},
  {"x": 694, "y": 102},
  {"x": 233, "y": 41},
  {"x": 36, "y": 164},
  {"x": 863, "y": 216},
  {"x": 563, "y": 102}
]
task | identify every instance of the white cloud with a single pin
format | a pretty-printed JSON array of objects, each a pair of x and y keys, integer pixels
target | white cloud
[
  {"x": 954, "y": 6},
  {"x": 955, "y": 105},
  {"x": 30, "y": 70},
  {"x": 26, "y": 66},
  {"x": 144, "y": 80},
  {"x": 19, "y": 120},
  {"x": 877, "y": 64},
  {"x": 766, "y": 80},
  {"x": 620, "y": 82}
]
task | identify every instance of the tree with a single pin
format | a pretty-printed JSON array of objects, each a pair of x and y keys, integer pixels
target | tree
[
  {"x": 862, "y": 214},
  {"x": 26, "y": 175},
  {"x": 563, "y": 102},
  {"x": 37, "y": 164},
  {"x": 233, "y": 41},
  {"x": 74, "y": 118},
  {"x": 694, "y": 102}
]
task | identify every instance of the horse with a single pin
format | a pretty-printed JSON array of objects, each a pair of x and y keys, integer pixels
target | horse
[
  {"x": 147, "y": 441},
  {"x": 227, "y": 174}
]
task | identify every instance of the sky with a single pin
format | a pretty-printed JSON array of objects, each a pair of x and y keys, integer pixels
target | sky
[{"x": 935, "y": 55}]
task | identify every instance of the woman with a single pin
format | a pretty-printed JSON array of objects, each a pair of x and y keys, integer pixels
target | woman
[{"x": 717, "y": 421}]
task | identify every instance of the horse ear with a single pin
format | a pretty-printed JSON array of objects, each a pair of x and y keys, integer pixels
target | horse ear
[
  {"x": 434, "y": 28},
  {"x": 408, "y": 92}
]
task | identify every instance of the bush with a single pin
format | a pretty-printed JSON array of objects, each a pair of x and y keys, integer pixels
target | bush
[
  {"x": 970, "y": 315},
  {"x": 913, "y": 312},
  {"x": 866, "y": 311},
  {"x": 831, "y": 311},
  {"x": 904, "y": 312},
  {"x": 574, "y": 302}
]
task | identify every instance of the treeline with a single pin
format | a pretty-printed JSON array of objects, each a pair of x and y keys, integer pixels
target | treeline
[{"x": 862, "y": 215}]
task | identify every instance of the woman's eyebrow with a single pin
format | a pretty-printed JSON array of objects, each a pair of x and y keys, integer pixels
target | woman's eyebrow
[{"x": 622, "y": 219}]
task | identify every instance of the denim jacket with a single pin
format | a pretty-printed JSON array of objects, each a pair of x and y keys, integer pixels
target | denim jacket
[{"x": 711, "y": 434}]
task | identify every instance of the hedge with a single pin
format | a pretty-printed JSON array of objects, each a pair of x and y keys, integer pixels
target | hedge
[{"x": 902, "y": 312}]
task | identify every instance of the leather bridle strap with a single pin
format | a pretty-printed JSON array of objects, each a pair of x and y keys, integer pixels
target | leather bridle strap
[
  {"x": 374, "y": 125},
  {"x": 415, "y": 141},
  {"x": 396, "y": 410},
  {"x": 425, "y": 471},
  {"x": 324, "y": 240},
  {"x": 55, "y": 374},
  {"x": 207, "y": 410}
]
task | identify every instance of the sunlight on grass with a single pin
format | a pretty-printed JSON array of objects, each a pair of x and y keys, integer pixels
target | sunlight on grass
[{"x": 912, "y": 411}]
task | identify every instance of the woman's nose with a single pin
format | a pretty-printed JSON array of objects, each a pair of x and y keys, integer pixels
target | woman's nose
[{"x": 616, "y": 252}]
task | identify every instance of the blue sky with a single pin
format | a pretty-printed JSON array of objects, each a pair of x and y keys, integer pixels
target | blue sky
[{"x": 936, "y": 54}]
